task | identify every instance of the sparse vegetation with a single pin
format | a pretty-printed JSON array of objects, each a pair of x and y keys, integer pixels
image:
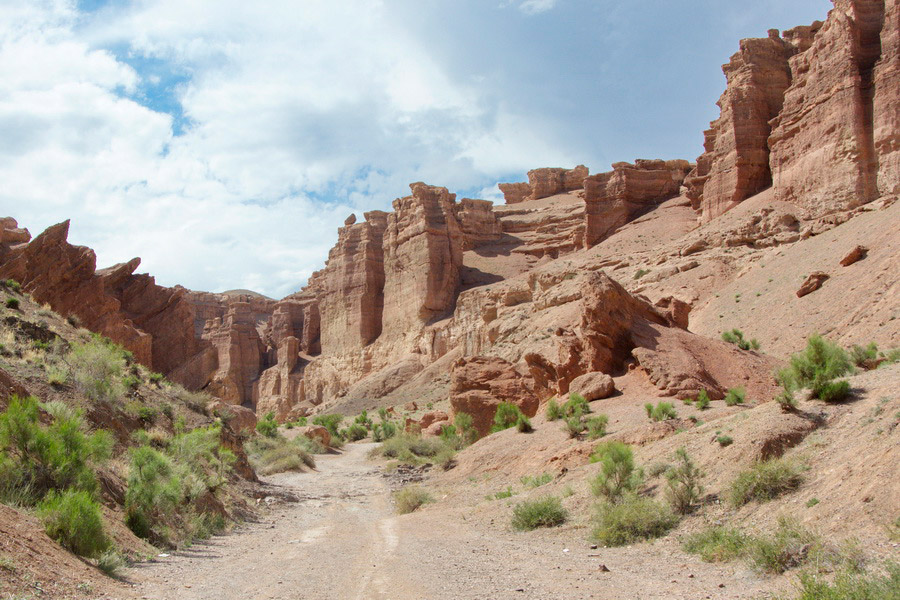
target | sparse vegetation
[
  {"x": 633, "y": 519},
  {"x": 278, "y": 454},
  {"x": 735, "y": 396},
  {"x": 329, "y": 422},
  {"x": 554, "y": 411},
  {"x": 73, "y": 519},
  {"x": 355, "y": 432},
  {"x": 765, "y": 481},
  {"x": 267, "y": 427},
  {"x": 575, "y": 406},
  {"x": 415, "y": 450},
  {"x": 507, "y": 415},
  {"x": 12, "y": 303},
  {"x": 683, "y": 489},
  {"x": 716, "y": 544},
  {"x": 542, "y": 512},
  {"x": 789, "y": 547},
  {"x": 640, "y": 273},
  {"x": 97, "y": 367},
  {"x": 702, "y": 401},
  {"x": 724, "y": 440},
  {"x": 816, "y": 368},
  {"x": 533, "y": 481},
  {"x": 410, "y": 498},
  {"x": 736, "y": 337},
  {"x": 852, "y": 586},
  {"x": 618, "y": 474},
  {"x": 596, "y": 426},
  {"x": 864, "y": 357},
  {"x": 661, "y": 412}
]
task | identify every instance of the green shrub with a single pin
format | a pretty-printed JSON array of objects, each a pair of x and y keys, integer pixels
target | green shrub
[
  {"x": 270, "y": 455},
  {"x": 507, "y": 493},
  {"x": 465, "y": 428},
  {"x": 131, "y": 382},
  {"x": 356, "y": 432},
  {"x": 267, "y": 426},
  {"x": 576, "y": 406},
  {"x": 384, "y": 431},
  {"x": 57, "y": 374},
  {"x": 97, "y": 368},
  {"x": 157, "y": 378},
  {"x": 815, "y": 367},
  {"x": 736, "y": 337},
  {"x": 415, "y": 450},
  {"x": 329, "y": 422},
  {"x": 716, "y": 544},
  {"x": 523, "y": 425},
  {"x": 154, "y": 490},
  {"x": 534, "y": 481},
  {"x": 12, "y": 303},
  {"x": 13, "y": 285},
  {"x": 765, "y": 481},
  {"x": 703, "y": 400},
  {"x": 852, "y": 586},
  {"x": 35, "y": 458},
  {"x": 574, "y": 426},
  {"x": 661, "y": 412},
  {"x": 542, "y": 512},
  {"x": 735, "y": 396},
  {"x": 683, "y": 483},
  {"x": 73, "y": 519},
  {"x": 554, "y": 411},
  {"x": 410, "y": 498},
  {"x": 724, "y": 440},
  {"x": 506, "y": 416},
  {"x": 864, "y": 357},
  {"x": 633, "y": 519},
  {"x": 834, "y": 391},
  {"x": 786, "y": 400},
  {"x": 364, "y": 420},
  {"x": 203, "y": 462},
  {"x": 596, "y": 426},
  {"x": 618, "y": 474},
  {"x": 110, "y": 562},
  {"x": 789, "y": 547},
  {"x": 640, "y": 273}
]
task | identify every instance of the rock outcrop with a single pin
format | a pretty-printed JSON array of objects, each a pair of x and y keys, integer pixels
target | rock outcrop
[
  {"x": 885, "y": 111},
  {"x": 479, "y": 384},
  {"x": 614, "y": 198},
  {"x": 823, "y": 154},
  {"x": 545, "y": 182},
  {"x": 736, "y": 162}
]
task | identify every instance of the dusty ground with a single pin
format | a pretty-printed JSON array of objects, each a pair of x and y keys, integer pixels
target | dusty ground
[{"x": 343, "y": 540}]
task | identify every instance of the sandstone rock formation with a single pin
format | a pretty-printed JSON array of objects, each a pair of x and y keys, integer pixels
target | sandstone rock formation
[
  {"x": 618, "y": 196},
  {"x": 545, "y": 182},
  {"x": 858, "y": 253},
  {"x": 812, "y": 283},
  {"x": 479, "y": 384},
  {"x": 593, "y": 386}
]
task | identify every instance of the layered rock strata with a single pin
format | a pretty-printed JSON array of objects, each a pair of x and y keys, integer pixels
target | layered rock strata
[{"x": 545, "y": 182}]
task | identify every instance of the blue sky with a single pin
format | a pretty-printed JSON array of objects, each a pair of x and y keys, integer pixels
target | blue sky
[{"x": 224, "y": 142}]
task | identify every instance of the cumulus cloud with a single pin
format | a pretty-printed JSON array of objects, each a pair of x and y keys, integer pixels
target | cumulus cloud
[{"x": 224, "y": 142}]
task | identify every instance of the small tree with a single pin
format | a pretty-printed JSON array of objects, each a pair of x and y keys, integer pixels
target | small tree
[
  {"x": 507, "y": 415},
  {"x": 683, "y": 481},
  {"x": 617, "y": 474}
]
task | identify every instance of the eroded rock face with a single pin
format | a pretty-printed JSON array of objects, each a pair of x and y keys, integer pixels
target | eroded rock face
[
  {"x": 239, "y": 350},
  {"x": 478, "y": 222},
  {"x": 423, "y": 248},
  {"x": 479, "y": 384},
  {"x": 886, "y": 104},
  {"x": 614, "y": 198},
  {"x": 545, "y": 182},
  {"x": 281, "y": 387},
  {"x": 736, "y": 162},
  {"x": 823, "y": 153},
  {"x": 350, "y": 290}
]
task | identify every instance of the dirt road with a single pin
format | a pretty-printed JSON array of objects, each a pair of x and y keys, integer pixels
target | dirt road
[{"x": 344, "y": 541}]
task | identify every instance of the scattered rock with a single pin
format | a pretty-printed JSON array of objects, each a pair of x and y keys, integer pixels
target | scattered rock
[
  {"x": 858, "y": 253},
  {"x": 316, "y": 432},
  {"x": 812, "y": 283}
]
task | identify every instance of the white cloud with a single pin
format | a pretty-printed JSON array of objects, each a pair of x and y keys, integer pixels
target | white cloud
[{"x": 533, "y": 7}]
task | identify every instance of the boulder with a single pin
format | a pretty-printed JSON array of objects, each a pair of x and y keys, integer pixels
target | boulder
[
  {"x": 593, "y": 386},
  {"x": 812, "y": 283},
  {"x": 432, "y": 417},
  {"x": 479, "y": 384},
  {"x": 858, "y": 253},
  {"x": 435, "y": 428},
  {"x": 240, "y": 418},
  {"x": 315, "y": 432}
]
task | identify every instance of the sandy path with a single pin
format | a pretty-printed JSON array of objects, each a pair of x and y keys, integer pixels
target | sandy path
[{"x": 343, "y": 541}]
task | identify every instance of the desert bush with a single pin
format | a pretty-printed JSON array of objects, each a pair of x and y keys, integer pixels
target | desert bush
[
  {"x": 633, "y": 519},
  {"x": 596, "y": 426},
  {"x": 533, "y": 481},
  {"x": 267, "y": 426},
  {"x": 574, "y": 426},
  {"x": 35, "y": 458},
  {"x": 735, "y": 396},
  {"x": 73, "y": 519},
  {"x": 765, "y": 481},
  {"x": 852, "y": 586},
  {"x": 12, "y": 303},
  {"x": 702, "y": 401},
  {"x": 576, "y": 406},
  {"x": 12, "y": 284},
  {"x": 815, "y": 368},
  {"x": 110, "y": 562},
  {"x": 542, "y": 512},
  {"x": 410, "y": 498},
  {"x": 789, "y": 547},
  {"x": 414, "y": 450},
  {"x": 618, "y": 474},
  {"x": 57, "y": 373},
  {"x": 270, "y": 455},
  {"x": 97, "y": 368},
  {"x": 716, "y": 544},
  {"x": 364, "y": 420},
  {"x": 523, "y": 425},
  {"x": 661, "y": 412},
  {"x": 383, "y": 431},
  {"x": 465, "y": 428},
  {"x": 864, "y": 357},
  {"x": 786, "y": 400},
  {"x": 329, "y": 422},
  {"x": 156, "y": 378},
  {"x": 724, "y": 440},
  {"x": 736, "y": 337},
  {"x": 683, "y": 483},
  {"x": 506, "y": 416},
  {"x": 834, "y": 391},
  {"x": 355, "y": 432},
  {"x": 201, "y": 458},
  {"x": 553, "y": 411},
  {"x": 154, "y": 490}
]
